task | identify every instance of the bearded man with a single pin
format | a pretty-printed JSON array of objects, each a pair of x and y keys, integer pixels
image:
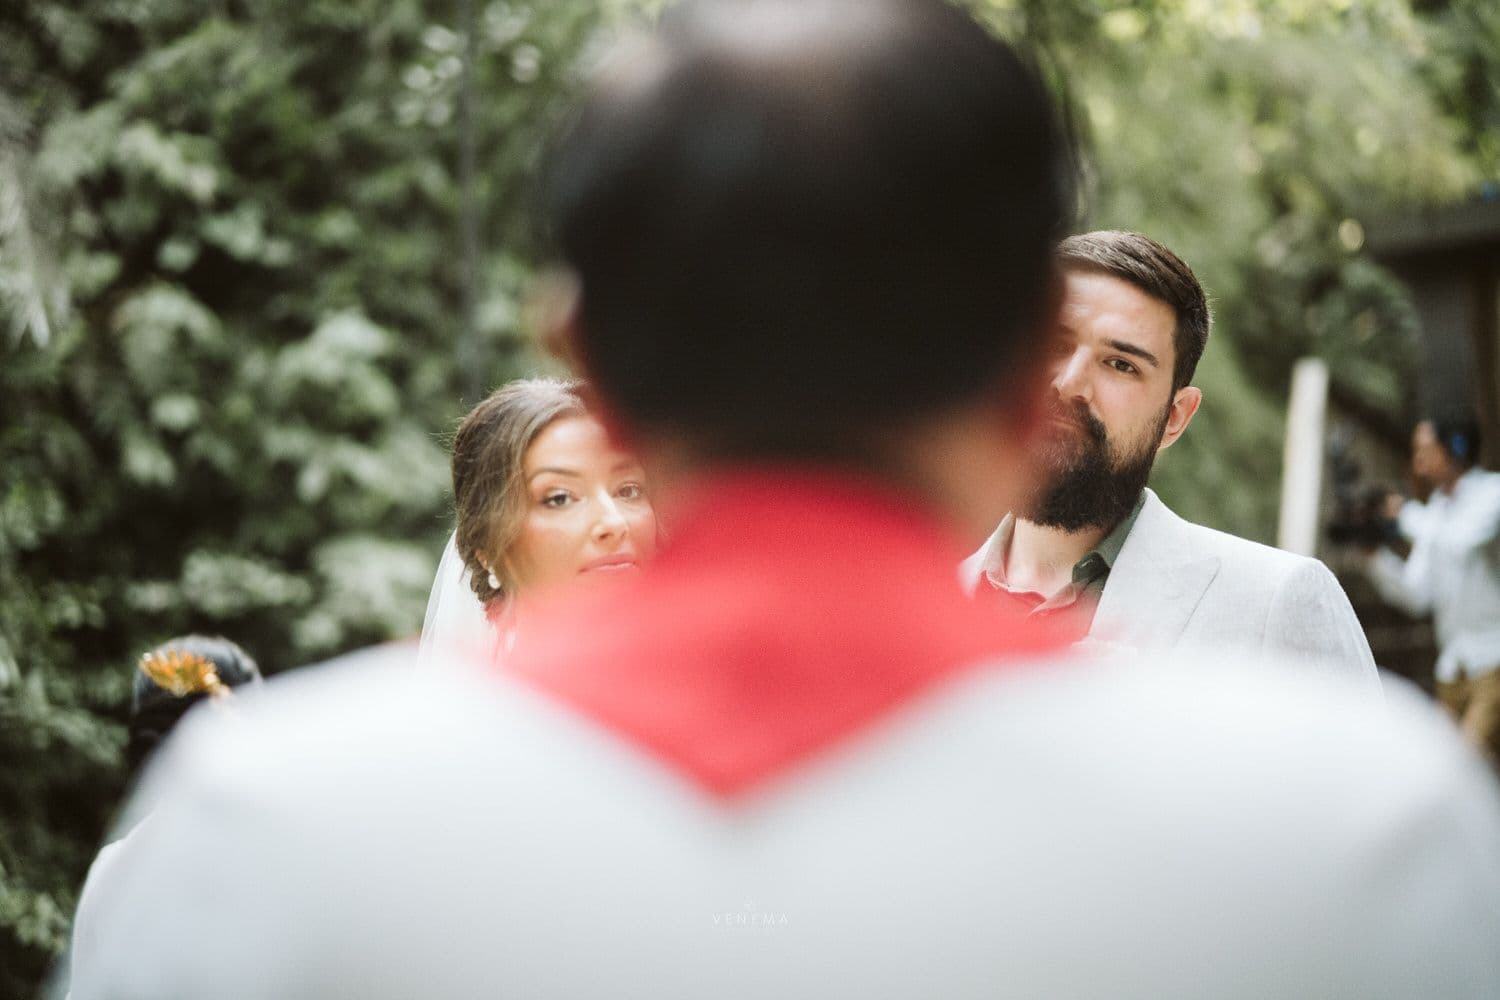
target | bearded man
[{"x": 1097, "y": 550}]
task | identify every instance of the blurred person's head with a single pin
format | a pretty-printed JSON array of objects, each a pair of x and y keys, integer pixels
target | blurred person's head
[
  {"x": 175, "y": 676},
  {"x": 1133, "y": 324},
  {"x": 542, "y": 495},
  {"x": 802, "y": 229},
  {"x": 1443, "y": 450}
]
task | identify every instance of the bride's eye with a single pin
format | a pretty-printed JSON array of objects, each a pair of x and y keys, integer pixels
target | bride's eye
[
  {"x": 631, "y": 491},
  {"x": 556, "y": 499}
]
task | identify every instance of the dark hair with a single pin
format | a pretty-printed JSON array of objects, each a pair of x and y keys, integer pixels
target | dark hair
[
  {"x": 155, "y": 710},
  {"x": 489, "y": 491},
  {"x": 1459, "y": 439},
  {"x": 794, "y": 220},
  {"x": 1158, "y": 272}
]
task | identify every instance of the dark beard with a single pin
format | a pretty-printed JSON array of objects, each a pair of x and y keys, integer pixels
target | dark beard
[{"x": 1089, "y": 490}]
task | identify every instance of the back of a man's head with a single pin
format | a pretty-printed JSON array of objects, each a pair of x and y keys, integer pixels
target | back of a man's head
[{"x": 793, "y": 220}]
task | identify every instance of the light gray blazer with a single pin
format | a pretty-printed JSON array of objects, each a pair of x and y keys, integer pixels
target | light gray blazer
[{"x": 1181, "y": 584}]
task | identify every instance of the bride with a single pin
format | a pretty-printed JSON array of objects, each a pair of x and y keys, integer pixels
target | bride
[{"x": 543, "y": 500}]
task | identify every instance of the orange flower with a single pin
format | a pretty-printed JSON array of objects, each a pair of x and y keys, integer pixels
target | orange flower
[{"x": 183, "y": 673}]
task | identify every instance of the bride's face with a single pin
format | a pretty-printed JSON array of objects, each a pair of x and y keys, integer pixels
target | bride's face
[{"x": 587, "y": 513}]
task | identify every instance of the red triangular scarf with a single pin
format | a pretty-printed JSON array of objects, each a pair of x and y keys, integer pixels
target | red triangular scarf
[{"x": 788, "y": 612}]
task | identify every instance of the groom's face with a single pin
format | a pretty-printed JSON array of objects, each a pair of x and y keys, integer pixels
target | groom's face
[{"x": 1112, "y": 401}]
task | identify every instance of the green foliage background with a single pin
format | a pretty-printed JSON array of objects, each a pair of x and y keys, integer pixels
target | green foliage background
[{"x": 239, "y": 312}]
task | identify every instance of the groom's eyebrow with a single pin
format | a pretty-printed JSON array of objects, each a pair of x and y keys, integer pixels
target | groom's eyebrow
[{"x": 1125, "y": 347}]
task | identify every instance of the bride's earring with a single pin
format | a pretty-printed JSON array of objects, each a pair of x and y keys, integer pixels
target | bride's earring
[{"x": 494, "y": 581}]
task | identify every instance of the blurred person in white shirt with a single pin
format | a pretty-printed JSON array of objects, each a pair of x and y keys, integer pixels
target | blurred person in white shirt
[{"x": 1453, "y": 572}]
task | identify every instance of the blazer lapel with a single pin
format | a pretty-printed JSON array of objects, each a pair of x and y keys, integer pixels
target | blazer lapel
[{"x": 1156, "y": 582}]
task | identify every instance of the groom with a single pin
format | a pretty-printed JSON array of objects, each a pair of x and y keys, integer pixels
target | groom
[
  {"x": 1093, "y": 547},
  {"x": 792, "y": 759}
]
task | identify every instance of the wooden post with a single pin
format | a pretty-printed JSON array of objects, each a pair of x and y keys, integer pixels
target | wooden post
[{"x": 1302, "y": 458}]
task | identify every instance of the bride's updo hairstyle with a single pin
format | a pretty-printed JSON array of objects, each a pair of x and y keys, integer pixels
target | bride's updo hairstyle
[
  {"x": 174, "y": 677},
  {"x": 489, "y": 488}
]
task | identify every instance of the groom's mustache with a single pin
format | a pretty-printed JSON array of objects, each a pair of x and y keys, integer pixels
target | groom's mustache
[{"x": 1078, "y": 413}]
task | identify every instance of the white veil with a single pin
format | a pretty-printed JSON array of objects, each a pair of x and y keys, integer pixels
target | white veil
[{"x": 455, "y": 618}]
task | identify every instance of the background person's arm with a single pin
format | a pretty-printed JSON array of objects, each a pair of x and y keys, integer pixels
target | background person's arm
[{"x": 1406, "y": 583}]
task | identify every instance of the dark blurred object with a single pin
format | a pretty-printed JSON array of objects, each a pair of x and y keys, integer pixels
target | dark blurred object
[
  {"x": 175, "y": 676},
  {"x": 1361, "y": 514},
  {"x": 1460, "y": 438}
]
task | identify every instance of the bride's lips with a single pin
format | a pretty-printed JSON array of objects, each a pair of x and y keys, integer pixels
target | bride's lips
[{"x": 611, "y": 563}]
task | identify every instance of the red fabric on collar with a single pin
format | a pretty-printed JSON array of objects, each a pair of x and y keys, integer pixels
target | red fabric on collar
[{"x": 789, "y": 611}]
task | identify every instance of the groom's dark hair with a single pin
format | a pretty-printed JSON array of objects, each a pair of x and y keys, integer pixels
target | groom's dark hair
[
  {"x": 1148, "y": 265},
  {"x": 797, "y": 220}
]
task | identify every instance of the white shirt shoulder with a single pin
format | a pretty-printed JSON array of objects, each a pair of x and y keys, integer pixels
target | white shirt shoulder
[{"x": 381, "y": 832}]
